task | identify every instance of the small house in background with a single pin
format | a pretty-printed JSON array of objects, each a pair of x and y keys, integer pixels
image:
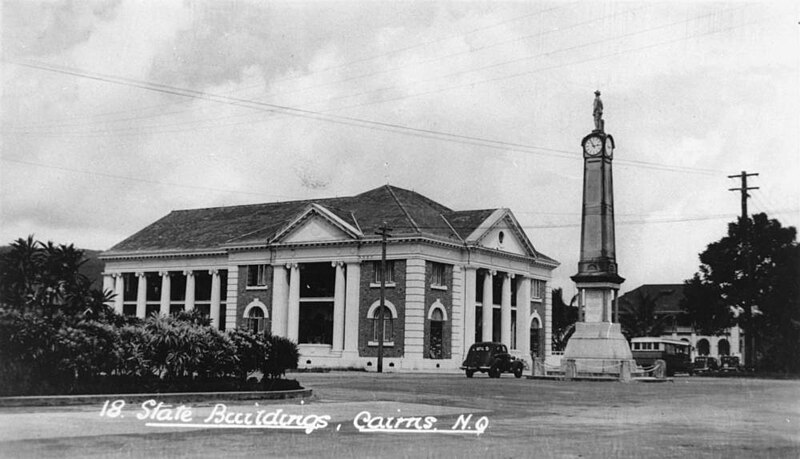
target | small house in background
[
  {"x": 310, "y": 271},
  {"x": 664, "y": 300}
]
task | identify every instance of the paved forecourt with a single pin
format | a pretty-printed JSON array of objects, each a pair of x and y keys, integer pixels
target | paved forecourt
[{"x": 411, "y": 415}]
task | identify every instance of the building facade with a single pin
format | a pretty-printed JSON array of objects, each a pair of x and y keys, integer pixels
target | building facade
[
  {"x": 310, "y": 271},
  {"x": 666, "y": 299}
]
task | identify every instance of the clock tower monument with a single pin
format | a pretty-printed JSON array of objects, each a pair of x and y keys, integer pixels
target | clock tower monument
[{"x": 597, "y": 346}]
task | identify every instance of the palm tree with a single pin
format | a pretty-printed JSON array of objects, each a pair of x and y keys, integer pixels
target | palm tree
[
  {"x": 639, "y": 315},
  {"x": 20, "y": 273}
]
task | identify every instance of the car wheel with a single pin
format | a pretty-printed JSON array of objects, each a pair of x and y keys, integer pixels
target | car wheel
[
  {"x": 470, "y": 373},
  {"x": 494, "y": 371},
  {"x": 518, "y": 371}
]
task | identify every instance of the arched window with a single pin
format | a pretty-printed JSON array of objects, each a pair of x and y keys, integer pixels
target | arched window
[
  {"x": 703, "y": 347},
  {"x": 723, "y": 347},
  {"x": 436, "y": 348},
  {"x": 255, "y": 316},
  {"x": 536, "y": 336},
  {"x": 389, "y": 316},
  {"x": 255, "y": 320}
]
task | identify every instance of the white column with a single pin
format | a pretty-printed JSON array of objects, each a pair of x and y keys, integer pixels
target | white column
[
  {"x": 215, "y": 290},
  {"x": 293, "y": 313},
  {"x": 232, "y": 300},
  {"x": 119, "y": 290},
  {"x": 505, "y": 311},
  {"x": 470, "y": 285},
  {"x": 488, "y": 306},
  {"x": 735, "y": 340},
  {"x": 108, "y": 286},
  {"x": 280, "y": 298},
  {"x": 548, "y": 319},
  {"x": 523, "y": 316},
  {"x": 166, "y": 287},
  {"x": 189, "y": 291},
  {"x": 338, "y": 307},
  {"x": 141, "y": 295},
  {"x": 351, "y": 316},
  {"x": 457, "y": 317}
]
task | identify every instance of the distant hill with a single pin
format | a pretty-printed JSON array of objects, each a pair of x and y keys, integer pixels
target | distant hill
[{"x": 92, "y": 269}]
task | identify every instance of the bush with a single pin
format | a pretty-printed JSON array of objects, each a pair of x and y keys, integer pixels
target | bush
[
  {"x": 284, "y": 357},
  {"x": 58, "y": 336},
  {"x": 253, "y": 351}
]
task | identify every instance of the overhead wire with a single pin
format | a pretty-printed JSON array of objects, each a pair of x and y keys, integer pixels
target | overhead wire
[
  {"x": 342, "y": 120},
  {"x": 339, "y": 66},
  {"x": 472, "y": 83},
  {"x": 430, "y": 133},
  {"x": 436, "y": 134}
]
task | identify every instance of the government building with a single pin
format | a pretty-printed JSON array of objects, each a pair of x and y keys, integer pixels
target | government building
[{"x": 311, "y": 271}]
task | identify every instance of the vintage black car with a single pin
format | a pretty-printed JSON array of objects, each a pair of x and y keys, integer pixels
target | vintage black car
[
  {"x": 729, "y": 363},
  {"x": 704, "y": 364},
  {"x": 492, "y": 358}
]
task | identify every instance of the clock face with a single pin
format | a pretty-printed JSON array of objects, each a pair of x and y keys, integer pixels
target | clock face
[
  {"x": 609, "y": 147},
  {"x": 593, "y": 146}
]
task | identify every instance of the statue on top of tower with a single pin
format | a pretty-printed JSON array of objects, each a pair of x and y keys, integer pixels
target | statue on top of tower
[{"x": 597, "y": 112}]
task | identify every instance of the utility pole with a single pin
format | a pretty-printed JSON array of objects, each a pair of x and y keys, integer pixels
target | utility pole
[
  {"x": 744, "y": 223},
  {"x": 384, "y": 231}
]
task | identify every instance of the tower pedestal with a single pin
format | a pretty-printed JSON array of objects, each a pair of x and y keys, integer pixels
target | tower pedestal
[{"x": 597, "y": 348}]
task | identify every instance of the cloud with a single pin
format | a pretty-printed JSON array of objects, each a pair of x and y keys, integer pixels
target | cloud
[{"x": 48, "y": 28}]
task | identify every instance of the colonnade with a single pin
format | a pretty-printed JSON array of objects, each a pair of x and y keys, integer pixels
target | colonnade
[
  {"x": 115, "y": 282},
  {"x": 523, "y": 291}
]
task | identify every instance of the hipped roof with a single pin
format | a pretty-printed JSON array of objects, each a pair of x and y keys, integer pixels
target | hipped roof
[{"x": 406, "y": 212}]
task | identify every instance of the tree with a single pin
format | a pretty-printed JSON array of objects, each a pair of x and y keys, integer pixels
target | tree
[
  {"x": 751, "y": 278},
  {"x": 639, "y": 314},
  {"x": 46, "y": 278},
  {"x": 564, "y": 318}
]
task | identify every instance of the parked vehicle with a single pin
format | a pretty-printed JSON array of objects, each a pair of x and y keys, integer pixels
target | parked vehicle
[
  {"x": 646, "y": 350},
  {"x": 730, "y": 363},
  {"x": 491, "y": 358},
  {"x": 704, "y": 364}
]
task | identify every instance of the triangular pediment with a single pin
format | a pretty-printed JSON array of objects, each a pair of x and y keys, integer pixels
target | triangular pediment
[
  {"x": 316, "y": 224},
  {"x": 501, "y": 231}
]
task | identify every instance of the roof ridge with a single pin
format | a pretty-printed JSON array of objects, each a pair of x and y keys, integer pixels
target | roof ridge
[
  {"x": 270, "y": 203},
  {"x": 452, "y": 229},
  {"x": 402, "y": 207}
]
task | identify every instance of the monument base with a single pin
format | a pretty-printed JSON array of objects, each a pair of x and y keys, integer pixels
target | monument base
[{"x": 597, "y": 348}]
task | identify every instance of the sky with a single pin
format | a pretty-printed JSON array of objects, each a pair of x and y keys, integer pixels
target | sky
[{"x": 114, "y": 113}]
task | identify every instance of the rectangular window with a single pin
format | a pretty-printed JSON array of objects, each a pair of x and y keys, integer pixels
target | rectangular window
[
  {"x": 537, "y": 289},
  {"x": 438, "y": 275},
  {"x": 388, "y": 329},
  {"x": 257, "y": 276},
  {"x": 389, "y": 272}
]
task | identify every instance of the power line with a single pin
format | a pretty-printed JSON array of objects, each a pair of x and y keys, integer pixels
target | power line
[
  {"x": 347, "y": 64},
  {"x": 443, "y": 227},
  {"x": 342, "y": 120},
  {"x": 141, "y": 180},
  {"x": 548, "y": 53},
  {"x": 486, "y": 143}
]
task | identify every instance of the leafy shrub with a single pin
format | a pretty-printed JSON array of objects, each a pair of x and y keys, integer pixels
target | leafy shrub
[
  {"x": 284, "y": 357},
  {"x": 253, "y": 351}
]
